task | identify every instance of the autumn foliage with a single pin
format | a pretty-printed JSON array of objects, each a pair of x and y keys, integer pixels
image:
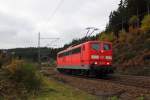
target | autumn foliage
[{"x": 26, "y": 79}]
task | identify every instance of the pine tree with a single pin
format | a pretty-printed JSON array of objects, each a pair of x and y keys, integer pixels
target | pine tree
[{"x": 119, "y": 19}]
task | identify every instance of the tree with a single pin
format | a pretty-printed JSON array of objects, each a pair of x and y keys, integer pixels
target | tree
[
  {"x": 146, "y": 23},
  {"x": 148, "y": 6},
  {"x": 133, "y": 21},
  {"x": 119, "y": 19},
  {"x": 106, "y": 36}
]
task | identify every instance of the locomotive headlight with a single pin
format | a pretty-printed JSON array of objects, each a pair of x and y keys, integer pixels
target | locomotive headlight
[
  {"x": 95, "y": 63},
  {"x": 94, "y": 56},
  {"x": 107, "y": 63}
]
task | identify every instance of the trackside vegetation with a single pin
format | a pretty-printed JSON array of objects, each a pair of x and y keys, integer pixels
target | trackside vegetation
[
  {"x": 59, "y": 91},
  {"x": 21, "y": 80}
]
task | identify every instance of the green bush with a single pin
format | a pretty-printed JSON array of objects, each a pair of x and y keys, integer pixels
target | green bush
[{"x": 26, "y": 74}]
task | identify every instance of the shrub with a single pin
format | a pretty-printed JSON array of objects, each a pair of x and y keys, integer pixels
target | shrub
[
  {"x": 26, "y": 74},
  {"x": 130, "y": 38},
  {"x": 134, "y": 31},
  {"x": 4, "y": 59},
  {"x": 15, "y": 91},
  {"x": 122, "y": 36}
]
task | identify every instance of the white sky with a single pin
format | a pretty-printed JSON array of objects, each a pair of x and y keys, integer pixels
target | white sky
[{"x": 21, "y": 20}]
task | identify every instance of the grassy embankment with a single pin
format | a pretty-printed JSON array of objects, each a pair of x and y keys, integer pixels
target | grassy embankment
[
  {"x": 20, "y": 80},
  {"x": 60, "y": 91}
]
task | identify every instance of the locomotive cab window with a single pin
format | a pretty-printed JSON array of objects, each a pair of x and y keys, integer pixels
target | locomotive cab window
[
  {"x": 107, "y": 47},
  {"x": 95, "y": 46}
]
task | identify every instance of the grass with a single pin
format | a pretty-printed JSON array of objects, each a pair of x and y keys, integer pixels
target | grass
[
  {"x": 114, "y": 98},
  {"x": 141, "y": 98},
  {"x": 59, "y": 91}
]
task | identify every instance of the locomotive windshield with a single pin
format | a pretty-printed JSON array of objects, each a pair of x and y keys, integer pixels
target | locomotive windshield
[
  {"x": 107, "y": 46},
  {"x": 95, "y": 46}
]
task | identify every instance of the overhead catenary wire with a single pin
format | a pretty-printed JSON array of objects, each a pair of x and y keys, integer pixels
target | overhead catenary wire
[
  {"x": 92, "y": 29},
  {"x": 55, "y": 10},
  {"x": 52, "y": 14},
  {"x": 88, "y": 30}
]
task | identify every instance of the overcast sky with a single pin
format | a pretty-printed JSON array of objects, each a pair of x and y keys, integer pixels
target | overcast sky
[{"x": 21, "y": 20}]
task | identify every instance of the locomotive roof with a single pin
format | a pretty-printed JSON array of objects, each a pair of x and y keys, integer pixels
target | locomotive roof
[{"x": 79, "y": 45}]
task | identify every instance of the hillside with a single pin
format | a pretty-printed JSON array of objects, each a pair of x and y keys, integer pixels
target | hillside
[{"x": 132, "y": 56}]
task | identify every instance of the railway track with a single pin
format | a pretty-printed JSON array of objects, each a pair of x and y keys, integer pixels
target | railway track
[
  {"x": 108, "y": 87},
  {"x": 136, "y": 81},
  {"x": 128, "y": 80},
  {"x": 122, "y": 86}
]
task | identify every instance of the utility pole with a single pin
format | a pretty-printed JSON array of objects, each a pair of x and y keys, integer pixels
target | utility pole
[
  {"x": 39, "y": 52},
  {"x": 39, "y": 47}
]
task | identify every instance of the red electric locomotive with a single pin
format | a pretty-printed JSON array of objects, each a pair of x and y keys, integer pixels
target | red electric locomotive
[{"x": 92, "y": 57}]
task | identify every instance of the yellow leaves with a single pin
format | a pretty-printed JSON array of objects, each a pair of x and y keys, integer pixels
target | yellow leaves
[
  {"x": 146, "y": 23},
  {"x": 133, "y": 21},
  {"x": 15, "y": 64},
  {"x": 106, "y": 37}
]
